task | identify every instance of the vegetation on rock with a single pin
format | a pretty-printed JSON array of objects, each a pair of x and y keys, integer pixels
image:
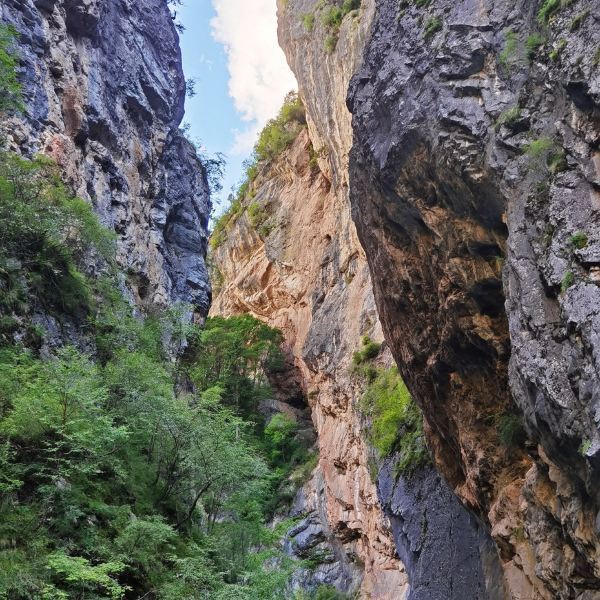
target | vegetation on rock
[
  {"x": 10, "y": 90},
  {"x": 332, "y": 15},
  {"x": 276, "y": 136},
  {"x": 396, "y": 423},
  {"x": 118, "y": 477},
  {"x": 112, "y": 482}
]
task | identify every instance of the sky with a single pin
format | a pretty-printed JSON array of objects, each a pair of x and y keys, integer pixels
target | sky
[{"x": 230, "y": 49}]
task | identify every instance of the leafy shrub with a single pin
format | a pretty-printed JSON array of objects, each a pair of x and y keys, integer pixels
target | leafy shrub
[
  {"x": 46, "y": 232},
  {"x": 10, "y": 89},
  {"x": 308, "y": 20},
  {"x": 579, "y": 240},
  {"x": 79, "y": 574},
  {"x": 279, "y": 436},
  {"x": 396, "y": 421},
  {"x": 549, "y": 8},
  {"x": 567, "y": 281},
  {"x": 330, "y": 43},
  {"x": 511, "y": 430},
  {"x": 369, "y": 351},
  {"x": 332, "y": 17},
  {"x": 509, "y": 54},
  {"x": 533, "y": 44},
  {"x": 557, "y": 161},
  {"x": 280, "y": 132},
  {"x": 350, "y": 5},
  {"x": 545, "y": 152},
  {"x": 585, "y": 447},
  {"x": 509, "y": 118},
  {"x": 257, "y": 215},
  {"x": 432, "y": 26}
]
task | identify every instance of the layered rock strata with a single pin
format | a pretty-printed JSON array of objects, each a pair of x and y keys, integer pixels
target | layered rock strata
[{"x": 104, "y": 93}]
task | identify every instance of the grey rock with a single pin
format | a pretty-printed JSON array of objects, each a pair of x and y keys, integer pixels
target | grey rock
[
  {"x": 438, "y": 191},
  {"x": 104, "y": 92},
  {"x": 447, "y": 552}
]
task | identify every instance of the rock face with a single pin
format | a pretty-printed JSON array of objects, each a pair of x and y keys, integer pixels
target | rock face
[
  {"x": 104, "y": 91},
  {"x": 446, "y": 551},
  {"x": 302, "y": 269},
  {"x": 308, "y": 277},
  {"x": 475, "y": 186}
]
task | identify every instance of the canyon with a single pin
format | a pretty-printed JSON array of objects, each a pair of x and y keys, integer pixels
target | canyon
[
  {"x": 468, "y": 163},
  {"x": 441, "y": 201}
]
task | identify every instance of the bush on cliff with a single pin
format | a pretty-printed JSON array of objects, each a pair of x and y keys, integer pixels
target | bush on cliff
[
  {"x": 396, "y": 423},
  {"x": 276, "y": 136},
  {"x": 45, "y": 233},
  {"x": 10, "y": 90},
  {"x": 281, "y": 131}
]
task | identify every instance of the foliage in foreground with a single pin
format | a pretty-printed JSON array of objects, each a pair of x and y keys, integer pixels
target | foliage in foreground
[{"x": 112, "y": 483}]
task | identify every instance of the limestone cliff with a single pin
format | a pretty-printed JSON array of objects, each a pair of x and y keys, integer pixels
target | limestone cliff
[
  {"x": 104, "y": 93},
  {"x": 307, "y": 275},
  {"x": 302, "y": 269},
  {"x": 473, "y": 183},
  {"x": 474, "y": 188}
]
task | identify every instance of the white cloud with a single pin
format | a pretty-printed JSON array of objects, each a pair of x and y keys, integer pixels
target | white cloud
[{"x": 259, "y": 76}]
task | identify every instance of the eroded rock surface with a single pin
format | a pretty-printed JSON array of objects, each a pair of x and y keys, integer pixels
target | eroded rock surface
[
  {"x": 474, "y": 180},
  {"x": 446, "y": 551},
  {"x": 104, "y": 91},
  {"x": 308, "y": 277}
]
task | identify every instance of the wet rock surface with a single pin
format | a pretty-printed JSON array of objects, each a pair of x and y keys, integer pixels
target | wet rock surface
[{"x": 104, "y": 93}]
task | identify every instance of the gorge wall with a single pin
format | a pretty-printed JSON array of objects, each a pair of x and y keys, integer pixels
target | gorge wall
[
  {"x": 309, "y": 278},
  {"x": 302, "y": 270},
  {"x": 104, "y": 93},
  {"x": 474, "y": 188},
  {"x": 444, "y": 197},
  {"x": 470, "y": 166}
]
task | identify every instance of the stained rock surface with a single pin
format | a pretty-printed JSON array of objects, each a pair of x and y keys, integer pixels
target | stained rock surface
[
  {"x": 447, "y": 553},
  {"x": 104, "y": 92},
  {"x": 305, "y": 273},
  {"x": 475, "y": 190},
  {"x": 301, "y": 269}
]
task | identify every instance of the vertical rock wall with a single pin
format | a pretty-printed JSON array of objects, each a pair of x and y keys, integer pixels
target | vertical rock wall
[
  {"x": 304, "y": 271},
  {"x": 308, "y": 277},
  {"x": 104, "y": 92},
  {"x": 474, "y": 188}
]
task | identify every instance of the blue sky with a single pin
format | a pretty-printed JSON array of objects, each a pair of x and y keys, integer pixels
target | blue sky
[{"x": 241, "y": 79}]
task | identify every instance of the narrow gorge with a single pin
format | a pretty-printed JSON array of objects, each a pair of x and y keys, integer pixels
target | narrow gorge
[{"x": 375, "y": 378}]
